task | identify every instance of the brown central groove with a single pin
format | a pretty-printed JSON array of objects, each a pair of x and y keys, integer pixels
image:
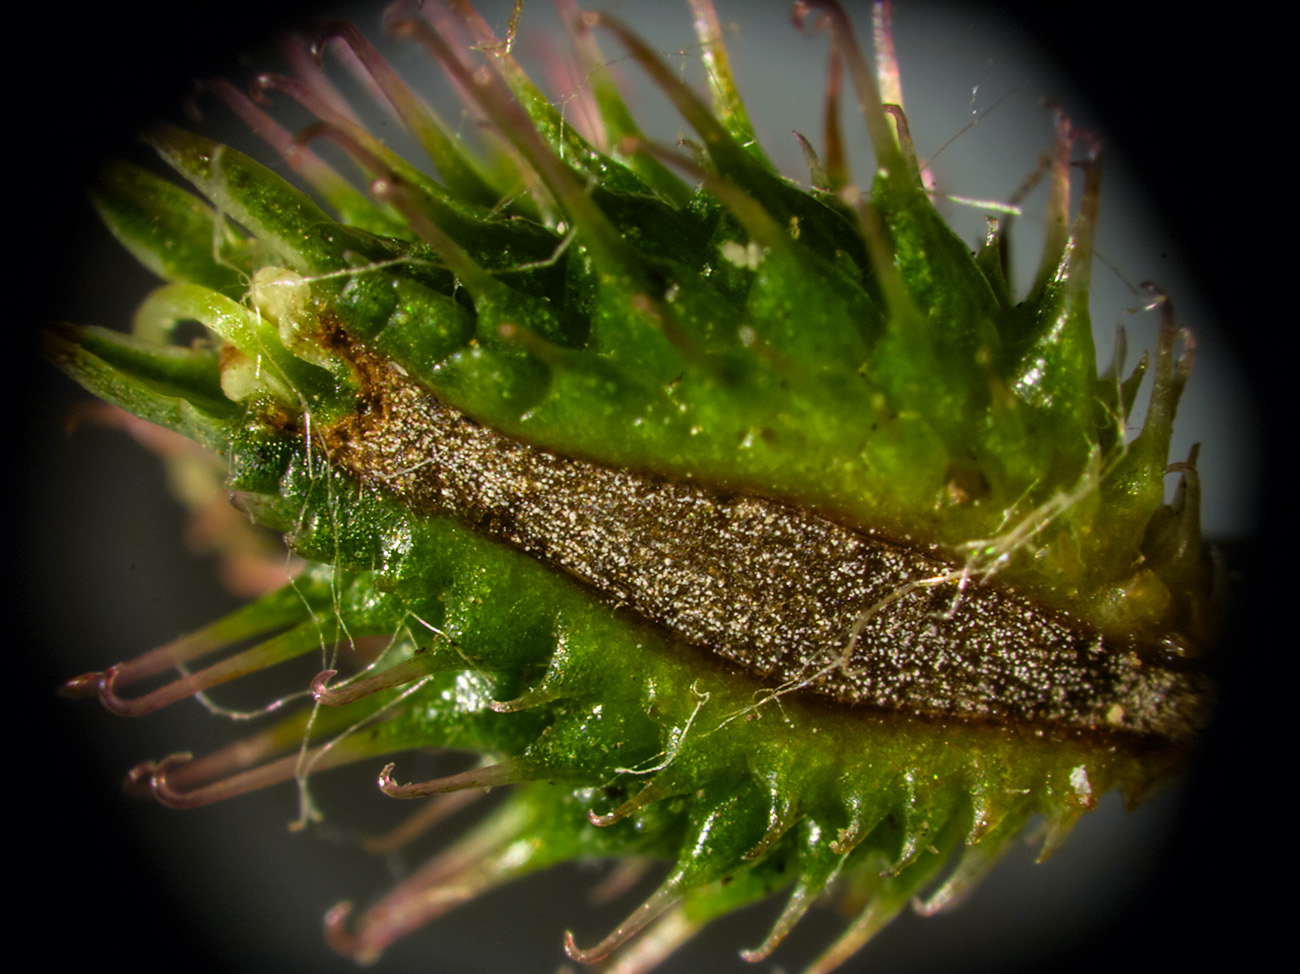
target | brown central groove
[{"x": 782, "y": 591}]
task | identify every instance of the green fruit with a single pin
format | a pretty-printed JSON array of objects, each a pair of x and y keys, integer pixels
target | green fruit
[{"x": 834, "y": 360}]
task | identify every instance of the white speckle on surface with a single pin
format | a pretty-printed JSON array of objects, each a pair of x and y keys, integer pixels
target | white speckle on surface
[{"x": 747, "y": 256}]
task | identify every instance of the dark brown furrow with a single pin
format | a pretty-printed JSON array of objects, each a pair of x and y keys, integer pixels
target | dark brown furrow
[{"x": 810, "y": 603}]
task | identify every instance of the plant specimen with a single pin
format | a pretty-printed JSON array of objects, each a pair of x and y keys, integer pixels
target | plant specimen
[{"x": 757, "y": 529}]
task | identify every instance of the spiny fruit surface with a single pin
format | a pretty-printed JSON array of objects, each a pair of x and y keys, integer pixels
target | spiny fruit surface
[{"x": 754, "y": 529}]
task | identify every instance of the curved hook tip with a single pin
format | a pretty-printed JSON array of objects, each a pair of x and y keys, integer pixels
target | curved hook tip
[
  {"x": 572, "y": 950},
  {"x": 386, "y": 783},
  {"x": 601, "y": 821},
  {"x": 164, "y": 792},
  {"x": 338, "y": 937},
  {"x": 320, "y": 689},
  {"x": 82, "y": 687}
]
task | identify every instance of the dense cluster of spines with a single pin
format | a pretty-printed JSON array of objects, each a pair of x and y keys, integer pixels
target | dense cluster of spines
[{"x": 840, "y": 350}]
